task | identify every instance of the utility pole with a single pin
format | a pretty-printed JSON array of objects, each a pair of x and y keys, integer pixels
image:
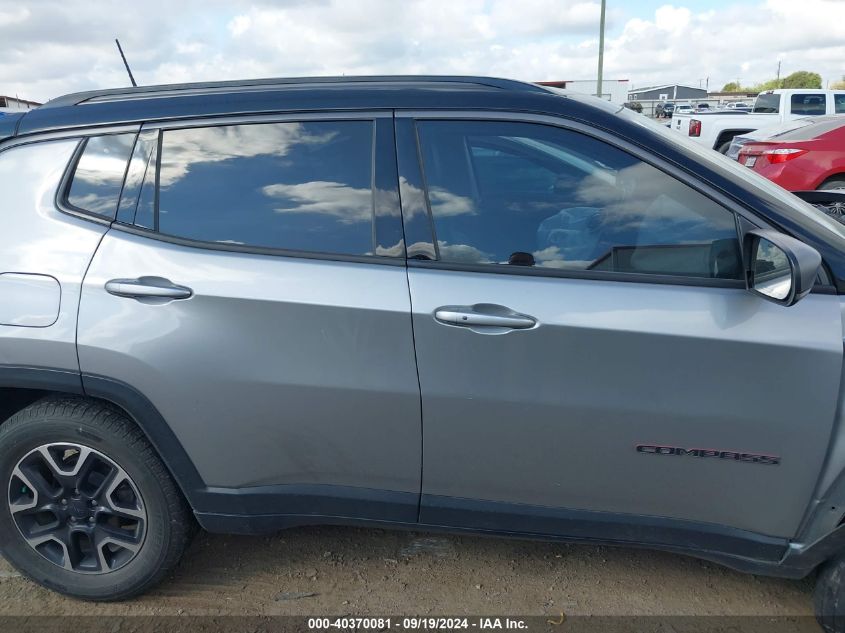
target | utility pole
[
  {"x": 777, "y": 82},
  {"x": 125, "y": 63},
  {"x": 600, "y": 83}
]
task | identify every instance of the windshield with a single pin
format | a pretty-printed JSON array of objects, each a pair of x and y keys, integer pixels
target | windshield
[
  {"x": 767, "y": 103},
  {"x": 813, "y": 130},
  {"x": 774, "y": 131}
]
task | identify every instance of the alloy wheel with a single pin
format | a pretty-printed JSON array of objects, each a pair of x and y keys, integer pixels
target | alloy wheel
[{"x": 77, "y": 508}]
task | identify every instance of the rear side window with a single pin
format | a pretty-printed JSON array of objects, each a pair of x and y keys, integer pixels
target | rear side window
[
  {"x": 839, "y": 103},
  {"x": 522, "y": 194},
  {"x": 809, "y": 105},
  {"x": 295, "y": 186},
  {"x": 98, "y": 177}
]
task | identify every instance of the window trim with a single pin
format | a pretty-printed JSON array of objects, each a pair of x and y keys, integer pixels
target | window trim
[
  {"x": 63, "y": 190},
  {"x": 259, "y": 250},
  {"x": 722, "y": 200},
  {"x": 378, "y": 161}
]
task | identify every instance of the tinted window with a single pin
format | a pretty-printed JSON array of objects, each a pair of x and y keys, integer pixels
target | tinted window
[
  {"x": 532, "y": 195},
  {"x": 299, "y": 186},
  {"x": 808, "y": 105},
  {"x": 839, "y": 103},
  {"x": 99, "y": 174},
  {"x": 769, "y": 103}
]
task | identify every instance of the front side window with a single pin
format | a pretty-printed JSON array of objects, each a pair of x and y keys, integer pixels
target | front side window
[
  {"x": 523, "y": 194},
  {"x": 839, "y": 102},
  {"x": 809, "y": 105},
  {"x": 98, "y": 177},
  {"x": 298, "y": 186}
]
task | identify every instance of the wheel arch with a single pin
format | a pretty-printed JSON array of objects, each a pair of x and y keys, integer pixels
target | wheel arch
[
  {"x": 835, "y": 173},
  {"x": 728, "y": 135},
  {"x": 22, "y": 386}
]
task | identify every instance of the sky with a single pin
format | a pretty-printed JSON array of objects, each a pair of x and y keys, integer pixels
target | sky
[{"x": 52, "y": 47}]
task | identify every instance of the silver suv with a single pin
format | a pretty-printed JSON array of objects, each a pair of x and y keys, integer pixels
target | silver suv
[{"x": 461, "y": 303}]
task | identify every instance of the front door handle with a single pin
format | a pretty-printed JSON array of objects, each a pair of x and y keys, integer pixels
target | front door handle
[
  {"x": 147, "y": 287},
  {"x": 484, "y": 315}
]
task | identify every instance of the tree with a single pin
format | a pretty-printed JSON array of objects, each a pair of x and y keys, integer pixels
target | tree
[
  {"x": 798, "y": 79},
  {"x": 772, "y": 84},
  {"x": 838, "y": 85},
  {"x": 802, "y": 79}
]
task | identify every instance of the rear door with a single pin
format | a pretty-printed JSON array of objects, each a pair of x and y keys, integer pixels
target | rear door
[
  {"x": 254, "y": 290},
  {"x": 588, "y": 356}
]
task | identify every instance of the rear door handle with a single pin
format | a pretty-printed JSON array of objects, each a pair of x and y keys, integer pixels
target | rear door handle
[
  {"x": 484, "y": 315},
  {"x": 147, "y": 287}
]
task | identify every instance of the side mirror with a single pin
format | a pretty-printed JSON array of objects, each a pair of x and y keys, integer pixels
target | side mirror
[{"x": 780, "y": 268}]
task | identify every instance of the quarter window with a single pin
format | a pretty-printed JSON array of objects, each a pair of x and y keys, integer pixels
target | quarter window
[
  {"x": 522, "y": 194},
  {"x": 98, "y": 177},
  {"x": 299, "y": 186},
  {"x": 809, "y": 105}
]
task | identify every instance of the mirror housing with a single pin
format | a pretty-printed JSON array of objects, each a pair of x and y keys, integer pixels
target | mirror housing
[{"x": 779, "y": 268}]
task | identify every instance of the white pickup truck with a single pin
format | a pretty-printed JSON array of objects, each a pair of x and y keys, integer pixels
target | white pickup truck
[{"x": 716, "y": 129}]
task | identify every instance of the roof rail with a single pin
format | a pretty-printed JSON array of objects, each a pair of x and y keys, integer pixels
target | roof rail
[{"x": 170, "y": 90}]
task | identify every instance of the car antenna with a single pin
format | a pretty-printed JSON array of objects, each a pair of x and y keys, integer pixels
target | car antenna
[{"x": 125, "y": 63}]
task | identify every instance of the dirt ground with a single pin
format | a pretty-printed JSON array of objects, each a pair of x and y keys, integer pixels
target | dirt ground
[{"x": 336, "y": 571}]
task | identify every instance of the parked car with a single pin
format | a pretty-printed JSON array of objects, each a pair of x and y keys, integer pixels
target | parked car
[
  {"x": 683, "y": 108},
  {"x": 702, "y": 107},
  {"x": 766, "y": 133},
  {"x": 664, "y": 109},
  {"x": 809, "y": 157},
  {"x": 715, "y": 130},
  {"x": 738, "y": 105},
  {"x": 225, "y": 303}
]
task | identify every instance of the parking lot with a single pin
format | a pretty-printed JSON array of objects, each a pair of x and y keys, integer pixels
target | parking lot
[{"x": 338, "y": 571}]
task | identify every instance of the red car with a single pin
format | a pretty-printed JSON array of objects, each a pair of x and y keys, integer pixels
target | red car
[{"x": 810, "y": 157}]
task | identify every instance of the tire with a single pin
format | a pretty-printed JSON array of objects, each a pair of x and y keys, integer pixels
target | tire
[
  {"x": 837, "y": 182},
  {"x": 829, "y": 596},
  {"x": 137, "y": 524}
]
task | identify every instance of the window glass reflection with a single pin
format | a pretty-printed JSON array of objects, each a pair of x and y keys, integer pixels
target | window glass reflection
[
  {"x": 99, "y": 174},
  {"x": 533, "y": 195},
  {"x": 299, "y": 186}
]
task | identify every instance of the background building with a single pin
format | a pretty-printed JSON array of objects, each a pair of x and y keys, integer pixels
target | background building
[
  {"x": 614, "y": 90},
  {"x": 668, "y": 92},
  {"x": 13, "y": 104}
]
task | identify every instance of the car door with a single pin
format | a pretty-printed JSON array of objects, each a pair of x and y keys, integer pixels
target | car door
[
  {"x": 254, "y": 291},
  {"x": 588, "y": 356}
]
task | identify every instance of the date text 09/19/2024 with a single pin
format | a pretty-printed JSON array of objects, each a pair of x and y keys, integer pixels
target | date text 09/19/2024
[{"x": 418, "y": 623}]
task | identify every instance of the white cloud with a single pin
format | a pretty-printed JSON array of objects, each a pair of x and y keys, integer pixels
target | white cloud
[
  {"x": 348, "y": 204},
  {"x": 57, "y": 46},
  {"x": 185, "y": 149}
]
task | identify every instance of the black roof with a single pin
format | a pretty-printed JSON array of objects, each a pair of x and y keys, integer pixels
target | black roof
[
  {"x": 326, "y": 94},
  {"x": 242, "y": 85},
  {"x": 149, "y": 103}
]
